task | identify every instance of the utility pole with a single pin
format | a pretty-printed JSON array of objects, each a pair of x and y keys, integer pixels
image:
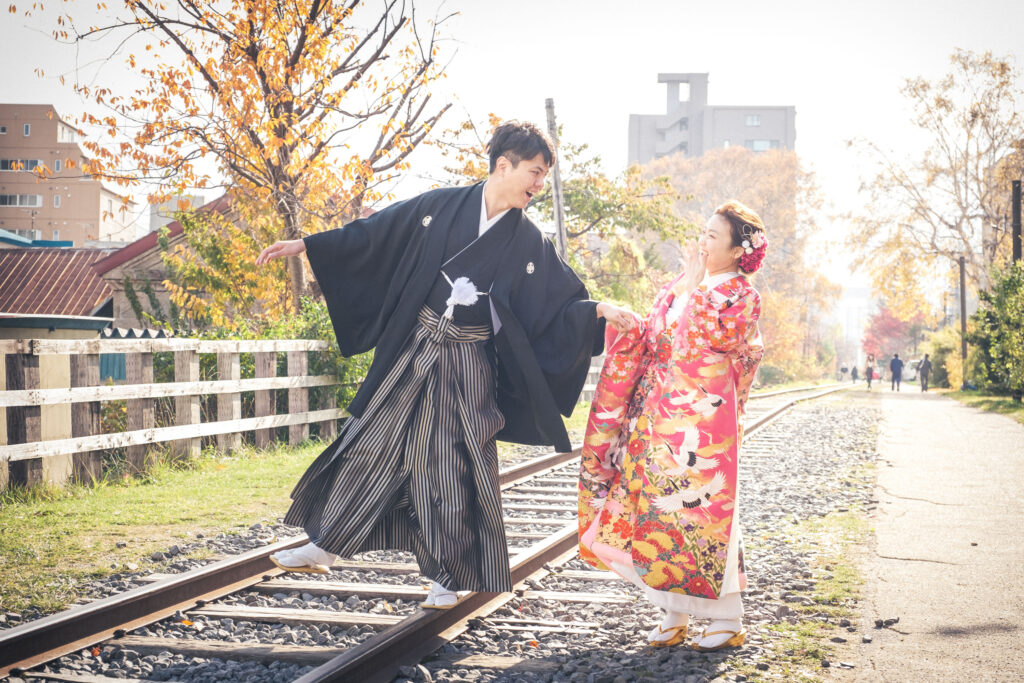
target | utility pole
[
  {"x": 1016, "y": 220},
  {"x": 1015, "y": 196},
  {"x": 561, "y": 240},
  {"x": 963, "y": 326}
]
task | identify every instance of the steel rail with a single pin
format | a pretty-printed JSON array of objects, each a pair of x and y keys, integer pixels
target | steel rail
[
  {"x": 793, "y": 390},
  {"x": 56, "y": 635},
  {"x": 762, "y": 420},
  {"x": 379, "y": 658}
]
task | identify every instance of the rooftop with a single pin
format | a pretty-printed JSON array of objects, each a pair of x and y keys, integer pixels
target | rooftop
[{"x": 52, "y": 281}]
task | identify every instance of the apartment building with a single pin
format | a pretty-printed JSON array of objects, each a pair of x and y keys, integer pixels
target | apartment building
[
  {"x": 690, "y": 126},
  {"x": 66, "y": 206}
]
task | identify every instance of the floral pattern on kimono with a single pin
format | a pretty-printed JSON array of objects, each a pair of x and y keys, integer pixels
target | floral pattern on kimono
[{"x": 659, "y": 460}]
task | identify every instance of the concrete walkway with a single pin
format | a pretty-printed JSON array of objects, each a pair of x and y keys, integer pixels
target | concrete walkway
[{"x": 949, "y": 556}]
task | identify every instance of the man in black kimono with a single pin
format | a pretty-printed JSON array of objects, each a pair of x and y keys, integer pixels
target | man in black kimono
[{"x": 480, "y": 332}]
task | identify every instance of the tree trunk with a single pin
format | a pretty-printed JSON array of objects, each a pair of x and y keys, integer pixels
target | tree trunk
[{"x": 296, "y": 269}]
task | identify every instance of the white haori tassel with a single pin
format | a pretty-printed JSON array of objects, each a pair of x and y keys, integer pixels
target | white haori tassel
[{"x": 463, "y": 294}]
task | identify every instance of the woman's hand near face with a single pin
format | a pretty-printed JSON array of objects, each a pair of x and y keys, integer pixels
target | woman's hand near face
[
  {"x": 279, "y": 249},
  {"x": 622, "y": 319},
  {"x": 695, "y": 265}
]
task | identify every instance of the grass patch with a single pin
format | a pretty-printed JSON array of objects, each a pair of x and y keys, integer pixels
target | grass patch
[
  {"x": 836, "y": 539},
  {"x": 834, "y": 542},
  {"x": 993, "y": 403},
  {"x": 53, "y": 539}
]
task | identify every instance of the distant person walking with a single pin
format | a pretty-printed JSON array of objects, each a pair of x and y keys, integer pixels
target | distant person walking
[
  {"x": 853, "y": 374},
  {"x": 924, "y": 369},
  {"x": 842, "y": 372},
  {"x": 869, "y": 371},
  {"x": 896, "y": 368}
]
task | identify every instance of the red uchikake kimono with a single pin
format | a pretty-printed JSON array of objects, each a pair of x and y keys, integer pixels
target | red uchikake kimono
[{"x": 658, "y": 477}]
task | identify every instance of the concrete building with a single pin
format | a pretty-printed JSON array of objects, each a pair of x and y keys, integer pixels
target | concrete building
[
  {"x": 66, "y": 205},
  {"x": 691, "y": 126}
]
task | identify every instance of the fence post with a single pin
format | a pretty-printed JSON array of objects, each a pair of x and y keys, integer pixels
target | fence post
[
  {"x": 229, "y": 406},
  {"x": 23, "y": 422},
  {"x": 186, "y": 408},
  {"x": 4, "y": 471},
  {"x": 266, "y": 399},
  {"x": 138, "y": 369},
  {"x": 329, "y": 429},
  {"x": 298, "y": 397},
  {"x": 85, "y": 416}
]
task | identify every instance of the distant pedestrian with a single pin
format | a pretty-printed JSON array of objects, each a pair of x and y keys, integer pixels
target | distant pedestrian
[
  {"x": 924, "y": 369},
  {"x": 842, "y": 372},
  {"x": 853, "y": 374},
  {"x": 896, "y": 368},
  {"x": 869, "y": 371}
]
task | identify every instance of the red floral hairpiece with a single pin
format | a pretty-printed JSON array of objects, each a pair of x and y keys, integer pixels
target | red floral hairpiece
[{"x": 755, "y": 244}]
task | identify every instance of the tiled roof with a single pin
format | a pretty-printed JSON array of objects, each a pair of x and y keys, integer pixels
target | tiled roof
[{"x": 51, "y": 281}]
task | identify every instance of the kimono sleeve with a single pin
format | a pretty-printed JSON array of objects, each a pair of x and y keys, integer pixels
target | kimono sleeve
[
  {"x": 354, "y": 267},
  {"x": 566, "y": 332},
  {"x": 736, "y": 334}
]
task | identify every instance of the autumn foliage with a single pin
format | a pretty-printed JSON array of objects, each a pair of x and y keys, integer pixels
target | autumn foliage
[{"x": 303, "y": 110}]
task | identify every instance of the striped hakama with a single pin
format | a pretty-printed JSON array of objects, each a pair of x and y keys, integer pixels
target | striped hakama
[{"x": 418, "y": 470}]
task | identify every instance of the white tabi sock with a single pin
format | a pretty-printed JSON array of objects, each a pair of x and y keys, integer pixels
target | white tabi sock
[
  {"x": 665, "y": 630},
  {"x": 304, "y": 555},
  {"x": 733, "y": 625},
  {"x": 441, "y": 596}
]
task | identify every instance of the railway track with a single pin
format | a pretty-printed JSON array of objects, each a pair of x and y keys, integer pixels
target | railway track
[{"x": 375, "y": 599}]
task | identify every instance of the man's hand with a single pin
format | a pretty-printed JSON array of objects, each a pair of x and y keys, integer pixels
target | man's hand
[
  {"x": 279, "y": 249},
  {"x": 622, "y": 319}
]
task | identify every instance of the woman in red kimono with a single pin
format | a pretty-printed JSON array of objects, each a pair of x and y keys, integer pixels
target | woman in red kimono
[{"x": 658, "y": 487}]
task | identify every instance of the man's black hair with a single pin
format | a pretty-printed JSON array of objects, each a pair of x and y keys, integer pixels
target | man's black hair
[{"x": 518, "y": 140}]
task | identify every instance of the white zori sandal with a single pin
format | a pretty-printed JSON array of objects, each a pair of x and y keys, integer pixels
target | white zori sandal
[
  {"x": 309, "y": 559},
  {"x": 440, "y": 597}
]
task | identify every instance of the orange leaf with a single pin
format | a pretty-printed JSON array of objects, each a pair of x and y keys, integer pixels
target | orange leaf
[
  {"x": 533, "y": 643},
  {"x": 95, "y": 652},
  {"x": 186, "y": 622}
]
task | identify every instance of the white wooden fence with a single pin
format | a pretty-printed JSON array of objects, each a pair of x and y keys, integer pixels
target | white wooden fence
[{"x": 53, "y": 427}]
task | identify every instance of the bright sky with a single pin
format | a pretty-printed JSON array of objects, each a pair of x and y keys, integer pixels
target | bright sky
[{"x": 840, "y": 65}]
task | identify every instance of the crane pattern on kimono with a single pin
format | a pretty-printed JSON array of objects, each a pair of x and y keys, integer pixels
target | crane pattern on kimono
[{"x": 690, "y": 498}]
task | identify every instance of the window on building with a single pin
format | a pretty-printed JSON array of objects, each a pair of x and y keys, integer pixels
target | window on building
[
  {"x": 28, "y": 129},
  {"x": 753, "y": 119},
  {"x": 56, "y": 235},
  {"x": 19, "y": 164},
  {"x": 57, "y": 165},
  {"x": 3, "y": 130},
  {"x": 56, "y": 201},
  {"x": 761, "y": 145},
  {"x": 21, "y": 200},
  {"x": 684, "y": 124},
  {"x": 110, "y": 206}
]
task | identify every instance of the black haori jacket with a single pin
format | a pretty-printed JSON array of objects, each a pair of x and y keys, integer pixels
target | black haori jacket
[{"x": 375, "y": 274}]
